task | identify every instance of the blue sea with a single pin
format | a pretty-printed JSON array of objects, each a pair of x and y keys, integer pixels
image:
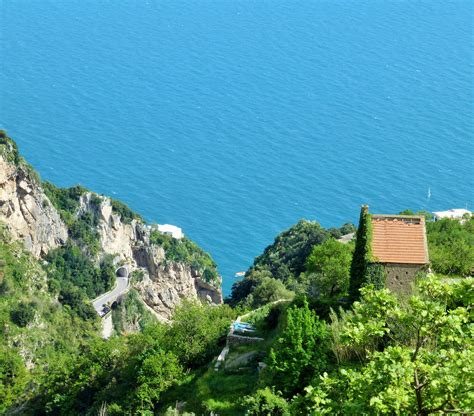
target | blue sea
[{"x": 234, "y": 119}]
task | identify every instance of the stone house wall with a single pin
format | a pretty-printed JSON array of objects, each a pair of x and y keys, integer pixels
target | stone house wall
[{"x": 400, "y": 278}]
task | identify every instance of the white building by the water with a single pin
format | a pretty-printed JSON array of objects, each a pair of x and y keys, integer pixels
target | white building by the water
[
  {"x": 171, "y": 230},
  {"x": 455, "y": 213}
]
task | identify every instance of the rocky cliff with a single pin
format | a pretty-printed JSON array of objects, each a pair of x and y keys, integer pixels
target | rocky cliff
[
  {"x": 32, "y": 217},
  {"x": 162, "y": 284},
  {"x": 27, "y": 212}
]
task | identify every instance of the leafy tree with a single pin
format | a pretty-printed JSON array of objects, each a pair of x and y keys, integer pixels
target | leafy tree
[
  {"x": 330, "y": 262},
  {"x": 300, "y": 352},
  {"x": 157, "y": 371},
  {"x": 418, "y": 356},
  {"x": 196, "y": 331},
  {"x": 267, "y": 290}
]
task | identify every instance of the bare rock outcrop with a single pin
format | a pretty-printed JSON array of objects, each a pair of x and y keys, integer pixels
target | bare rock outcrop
[{"x": 27, "y": 211}]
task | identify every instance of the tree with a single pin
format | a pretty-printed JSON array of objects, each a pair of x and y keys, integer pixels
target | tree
[
  {"x": 361, "y": 253},
  {"x": 300, "y": 352},
  {"x": 269, "y": 290},
  {"x": 196, "y": 331},
  {"x": 156, "y": 372},
  {"x": 418, "y": 356},
  {"x": 330, "y": 262}
]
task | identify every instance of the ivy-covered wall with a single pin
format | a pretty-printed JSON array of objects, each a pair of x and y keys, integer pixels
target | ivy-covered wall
[{"x": 364, "y": 269}]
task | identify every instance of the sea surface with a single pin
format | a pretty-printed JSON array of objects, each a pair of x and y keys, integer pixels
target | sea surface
[{"x": 234, "y": 119}]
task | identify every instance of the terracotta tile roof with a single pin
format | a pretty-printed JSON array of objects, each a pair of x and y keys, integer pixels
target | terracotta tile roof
[{"x": 399, "y": 239}]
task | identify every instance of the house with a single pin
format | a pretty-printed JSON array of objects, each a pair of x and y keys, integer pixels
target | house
[
  {"x": 171, "y": 230},
  {"x": 398, "y": 242},
  {"x": 456, "y": 213}
]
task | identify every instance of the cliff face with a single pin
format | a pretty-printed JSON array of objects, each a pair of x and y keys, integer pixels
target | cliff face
[
  {"x": 27, "y": 212},
  {"x": 31, "y": 217},
  {"x": 162, "y": 283}
]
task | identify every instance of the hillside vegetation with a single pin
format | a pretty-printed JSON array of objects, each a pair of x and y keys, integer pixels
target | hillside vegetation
[
  {"x": 37, "y": 330},
  {"x": 379, "y": 355},
  {"x": 318, "y": 349}
]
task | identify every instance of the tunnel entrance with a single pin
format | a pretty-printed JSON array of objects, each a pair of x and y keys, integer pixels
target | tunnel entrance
[{"x": 122, "y": 272}]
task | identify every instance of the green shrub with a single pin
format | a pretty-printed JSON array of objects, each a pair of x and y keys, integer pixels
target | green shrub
[
  {"x": 197, "y": 331},
  {"x": 14, "y": 378},
  {"x": 266, "y": 403},
  {"x": 23, "y": 314},
  {"x": 75, "y": 299}
]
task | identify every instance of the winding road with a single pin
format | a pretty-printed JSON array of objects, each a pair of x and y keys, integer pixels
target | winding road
[{"x": 122, "y": 286}]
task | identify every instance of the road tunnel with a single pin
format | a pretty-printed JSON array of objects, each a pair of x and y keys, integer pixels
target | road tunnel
[{"x": 122, "y": 272}]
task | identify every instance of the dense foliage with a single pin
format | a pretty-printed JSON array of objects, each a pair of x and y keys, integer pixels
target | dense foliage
[
  {"x": 69, "y": 264},
  {"x": 186, "y": 251},
  {"x": 300, "y": 352},
  {"x": 23, "y": 314},
  {"x": 451, "y": 246},
  {"x": 76, "y": 279},
  {"x": 328, "y": 268},
  {"x": 130, "y": 373},
  {"x": 414, "y": 358},
  {"x": 286, "y": 257},
  {"x": 36, "y": 331},
  {"x": 285, "y": 261},
  {"x": 266, "y": 402}
]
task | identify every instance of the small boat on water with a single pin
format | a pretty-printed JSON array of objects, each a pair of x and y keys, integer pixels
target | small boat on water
[{"x": 240, "y": 274}]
